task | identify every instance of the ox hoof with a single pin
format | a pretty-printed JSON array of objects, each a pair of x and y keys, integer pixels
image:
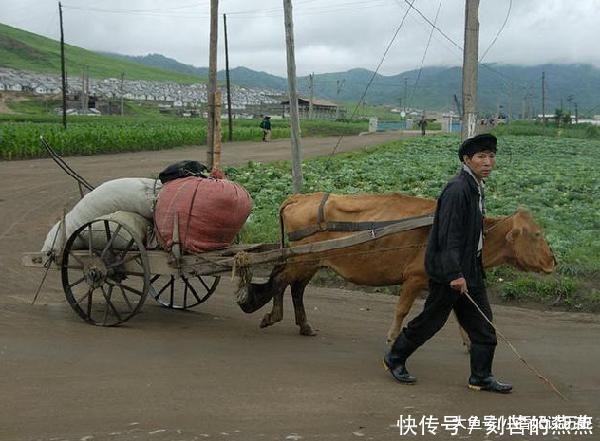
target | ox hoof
[
  {"x": 307, "y": 330},
  {"x": 392, "y": 336},
  {"x": 268, "y": 320}
]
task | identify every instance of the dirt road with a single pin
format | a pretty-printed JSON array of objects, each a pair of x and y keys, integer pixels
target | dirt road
[{"x": 213, "y": 374}]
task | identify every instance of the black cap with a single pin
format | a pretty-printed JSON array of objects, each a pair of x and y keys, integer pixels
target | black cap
[{"x": 479, "y": 143}]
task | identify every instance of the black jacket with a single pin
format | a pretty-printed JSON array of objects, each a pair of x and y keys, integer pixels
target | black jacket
[{"x": 453, "y": 239}]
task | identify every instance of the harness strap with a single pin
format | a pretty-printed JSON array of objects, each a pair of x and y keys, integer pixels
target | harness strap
[{"x": 345, "y": 226}]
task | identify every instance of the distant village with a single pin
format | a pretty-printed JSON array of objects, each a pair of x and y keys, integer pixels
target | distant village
[{"x": 93, "y": 96}]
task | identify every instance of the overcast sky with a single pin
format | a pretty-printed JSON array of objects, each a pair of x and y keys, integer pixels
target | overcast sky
[{"x": 331, "y": 35}]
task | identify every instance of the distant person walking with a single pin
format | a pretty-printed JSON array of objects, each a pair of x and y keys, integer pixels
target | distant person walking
[
  {"x": 423, "y": 124},
  {"x": 265, "y": 125}
]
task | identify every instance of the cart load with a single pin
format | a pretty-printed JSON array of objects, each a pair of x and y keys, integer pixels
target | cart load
[
  {"x": 207, "y": 213},
  {"x": 136, "y": 195}
]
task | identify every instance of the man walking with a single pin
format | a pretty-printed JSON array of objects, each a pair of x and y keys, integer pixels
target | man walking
[
  {"x": 265, "y": 125},
  {"x": 453, "y": 264}
]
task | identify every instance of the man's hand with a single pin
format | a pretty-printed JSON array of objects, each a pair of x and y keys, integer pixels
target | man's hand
[{"x": 459, "y": 284}]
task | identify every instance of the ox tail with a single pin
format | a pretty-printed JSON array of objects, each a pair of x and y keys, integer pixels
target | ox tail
[
  {"x": 281, "y": 227},
  {"x": 283, "y": 206}
]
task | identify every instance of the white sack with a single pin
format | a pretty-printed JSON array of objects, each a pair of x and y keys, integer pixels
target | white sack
[
  {"x": 136, "y": 195},
  {"x": 139, "y": 226}
]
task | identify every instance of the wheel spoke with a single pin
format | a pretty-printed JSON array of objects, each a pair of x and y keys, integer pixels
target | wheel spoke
[
  {"x": 76, "y": 258},
  {"x": 111, "y": 239},
  {"x": 193, "y": 290},
  {"x": 172, "y": 292},
  {"x": 86, "y": 295},
  {"x": 130, "y": 258},
  {"x": 169, "y": 283},
  {"x": 126, "y": 299},
  {"x": 89, "y": 302},
  {"x": 127, "y": 248},
  {"x": 185, "y": 291},
  {"x": 130, "y": 289},
  {"x": 110, "y": 304},
  {"x": 107, "y": 230},
  {"x": 203, "y": 283},
  {"x": 90, "y": 240},
  {"x": 74, "y": 267},
  {"x": 77, "y": 282}
]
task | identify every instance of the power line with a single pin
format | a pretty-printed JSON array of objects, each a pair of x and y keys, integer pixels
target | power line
[
  {"x": 498, "y": 33},
  {"x": 425, "y": 53},
  {"x": 505, "y": 77},
  {"x": 373, "y": 76}
]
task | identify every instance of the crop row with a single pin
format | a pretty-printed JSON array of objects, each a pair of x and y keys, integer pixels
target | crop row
[{"x": 20, "y": 140}]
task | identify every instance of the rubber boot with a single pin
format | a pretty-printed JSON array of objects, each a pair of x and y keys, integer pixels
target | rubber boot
[
  {"x": 395, "y": 360},
  {"x": 481, "y": 378}
]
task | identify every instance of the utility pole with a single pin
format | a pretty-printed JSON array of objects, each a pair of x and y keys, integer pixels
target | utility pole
[
  {"x": 62, "y": 66},
  {"x": 469, "y": 80},
  {"x": 339, "y": 84},
  {"x": 576, "y": 113},
  {"x": 212, "y": 83},
  {"x": 311, "y": 79},
  {"x": 122, "y": 92},
  {"x": 544, "y": 97},
  {"x": 405, "y": 94},
  {"x": 509, "y": 102},
  {"x": 294, "y": 120},
  {"x": 230, "y": 137},
  {"x": 217, "y": 151},
  {"x": 82, "y": 97}
]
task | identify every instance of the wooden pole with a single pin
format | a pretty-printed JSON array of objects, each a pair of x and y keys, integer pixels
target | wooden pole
[
  {"x": 544, "y": 97},
  {"x": 212, "y": 83},
  {"x": 311, "y": 79},
  {"x": 62, "y": 67},
  {"x": 294, "y": 118},
  {"x": 122, "y": 92},
  {"x": 217, "y": 152},
  {"x": 469, "y": 80},
  {"x": 229, "y": 118},
  {"x": 406, "y": 93}
]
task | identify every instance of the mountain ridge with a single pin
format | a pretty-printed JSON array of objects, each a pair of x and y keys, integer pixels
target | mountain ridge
[{"x": 508, "y": 88}]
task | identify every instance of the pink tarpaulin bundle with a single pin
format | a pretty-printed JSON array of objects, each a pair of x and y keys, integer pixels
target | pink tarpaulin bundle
[{"x": 210, "y": 213}]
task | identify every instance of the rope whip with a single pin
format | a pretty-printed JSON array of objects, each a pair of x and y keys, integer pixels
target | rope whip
[{"x": 519, "y": 356}]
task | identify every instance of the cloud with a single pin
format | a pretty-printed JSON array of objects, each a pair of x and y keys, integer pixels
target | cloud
[{"x": 330, "y": 36}]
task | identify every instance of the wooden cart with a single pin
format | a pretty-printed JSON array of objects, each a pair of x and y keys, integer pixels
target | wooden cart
[{"x": 106, "y": 282}]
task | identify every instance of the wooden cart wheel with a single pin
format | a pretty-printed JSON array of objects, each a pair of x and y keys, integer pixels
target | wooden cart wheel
[
  {"x": 105, "y": 272},
  {"x": 183, "y": 292}
]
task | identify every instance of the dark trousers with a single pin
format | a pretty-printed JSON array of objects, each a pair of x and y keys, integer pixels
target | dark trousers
[{"x": 441, "y": 301}]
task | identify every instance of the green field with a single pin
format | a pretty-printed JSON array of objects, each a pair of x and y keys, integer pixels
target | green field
[
  {"x": 19, "y": 137},
  {"x": 556, "y": 179}
]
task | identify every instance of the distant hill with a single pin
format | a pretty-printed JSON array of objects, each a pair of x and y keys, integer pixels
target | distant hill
[
  {"x": 436, "y": 85},
  {"x": 513, "y": 87},
  {"x": 24, "y": 50}
]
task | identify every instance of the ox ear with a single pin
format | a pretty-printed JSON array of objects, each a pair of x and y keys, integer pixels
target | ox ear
[{"x": 513, "y": 234}]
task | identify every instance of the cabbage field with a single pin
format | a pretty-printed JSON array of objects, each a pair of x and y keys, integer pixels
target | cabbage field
[{"x": 557, "y": 179}]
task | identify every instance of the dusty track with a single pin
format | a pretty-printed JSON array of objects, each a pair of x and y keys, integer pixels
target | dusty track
[{"x": 213, "y": 374}]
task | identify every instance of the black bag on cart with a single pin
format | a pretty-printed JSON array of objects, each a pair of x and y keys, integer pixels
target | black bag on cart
[{"x": 183, "y": 169}]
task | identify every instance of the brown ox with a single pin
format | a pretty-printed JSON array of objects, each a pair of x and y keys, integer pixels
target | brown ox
[{"x": 395, "y": 259}]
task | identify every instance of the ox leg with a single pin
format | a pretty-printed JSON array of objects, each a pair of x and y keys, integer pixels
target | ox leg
[
  {"x": 298, "y": 288},
  {"x": 276, "y": 314},
  {"x": 409, "y": 292}
]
